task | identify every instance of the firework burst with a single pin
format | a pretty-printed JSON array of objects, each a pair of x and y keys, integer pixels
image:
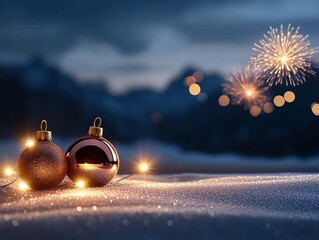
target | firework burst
[
  {"x": 244, "y": 87},
  {"x": 283, "y": 56}
]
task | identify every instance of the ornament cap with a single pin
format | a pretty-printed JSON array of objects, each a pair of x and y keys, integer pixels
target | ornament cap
[
  {"x": 43, "y": 134},
  {"x": 96, "y": 129}
]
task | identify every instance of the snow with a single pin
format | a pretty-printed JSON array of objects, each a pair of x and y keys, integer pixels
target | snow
[{"x": 176, "y": 206}]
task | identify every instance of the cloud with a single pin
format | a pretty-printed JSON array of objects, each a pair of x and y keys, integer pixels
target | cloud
[
  {"x": 169, "y": 53},
  {"x": 141, "y": 43}
]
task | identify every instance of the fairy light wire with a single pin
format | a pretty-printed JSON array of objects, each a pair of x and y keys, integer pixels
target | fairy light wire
[
  {"x": 143, "y": 167},
  {"x": 8, "y": 184}
]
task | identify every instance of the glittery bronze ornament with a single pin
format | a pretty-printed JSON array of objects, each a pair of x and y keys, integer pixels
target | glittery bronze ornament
[
  {"x": 93, "y": 160},
  {"x": 42, "y": 165}
]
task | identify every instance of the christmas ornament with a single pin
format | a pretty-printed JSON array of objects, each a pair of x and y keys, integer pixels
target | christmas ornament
[
  {"x": 92, "y": 160},
  {"x": 42, "y": 165}
]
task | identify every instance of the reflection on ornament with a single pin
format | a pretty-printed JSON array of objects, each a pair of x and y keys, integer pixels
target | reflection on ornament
[
  {"x": 93, "y": 158},
  {"x": 42, "y": 165}
]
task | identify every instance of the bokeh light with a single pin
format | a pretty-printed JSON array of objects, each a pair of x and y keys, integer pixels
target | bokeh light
[
  {"x": 289, "y": 96},
  {"x": 223, "y": 100},
  {"x": 202, "y": 97},
  {"x": 156, "y": 117},
  {"x": 279, "y": 101},
  {"x": 268, "y": 107},
  {"x": 194, "y": 89},
  {"x": 190, "y": 80},
  {"x": 315, "y": 108},
  {"x": 255, "y": 111},
  {"x": 199, "y": 76}
]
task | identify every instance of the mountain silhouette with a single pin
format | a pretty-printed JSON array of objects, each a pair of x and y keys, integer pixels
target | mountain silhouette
[{"x": 36, "y": 91}]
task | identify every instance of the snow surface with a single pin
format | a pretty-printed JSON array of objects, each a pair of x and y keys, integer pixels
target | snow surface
[{"x": 180, "y": 206}]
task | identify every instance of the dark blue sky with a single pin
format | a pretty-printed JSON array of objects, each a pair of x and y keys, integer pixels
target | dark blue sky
[{"x": 130, "y": 44}]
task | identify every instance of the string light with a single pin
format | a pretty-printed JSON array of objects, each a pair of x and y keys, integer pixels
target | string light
[
  {"x": 8, "y": 171},
  {"x": 80, "y": 184},
  {"x": 142, "y": 167},
  {"x": 29, "y": 143},
  {"x": 23, "y": 186}
]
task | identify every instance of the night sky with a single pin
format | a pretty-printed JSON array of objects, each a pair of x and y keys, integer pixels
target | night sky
[{"x": 131, "y": 44}]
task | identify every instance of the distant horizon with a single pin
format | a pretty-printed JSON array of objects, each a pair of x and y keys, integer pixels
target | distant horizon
[{"x": 119, "y": 93}]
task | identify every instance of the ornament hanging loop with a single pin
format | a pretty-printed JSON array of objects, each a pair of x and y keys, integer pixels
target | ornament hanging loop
[
  {"x": 43, "y": 134},
  {"x": 99, "y": 121},
  {"x": 96, "y": 130},
  {"x": 44, "y": 125}
]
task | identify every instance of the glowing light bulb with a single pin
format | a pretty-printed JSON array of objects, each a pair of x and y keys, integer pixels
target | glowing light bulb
[
  {"x": 23, "y": 186},
  {"x": 29, "y": 143},
  {"x": 8, "y": 171},
  {"x": 143, "y": 167},
  {"x": 80, "y": 184}
]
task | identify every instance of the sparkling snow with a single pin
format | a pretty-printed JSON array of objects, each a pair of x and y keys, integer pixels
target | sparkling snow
[{"x": 181, "y": 206}]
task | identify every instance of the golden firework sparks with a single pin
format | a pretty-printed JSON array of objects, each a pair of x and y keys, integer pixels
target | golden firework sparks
[
  {"x": 244, "y": 87},
  {"x": 283, "y": 56}
]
